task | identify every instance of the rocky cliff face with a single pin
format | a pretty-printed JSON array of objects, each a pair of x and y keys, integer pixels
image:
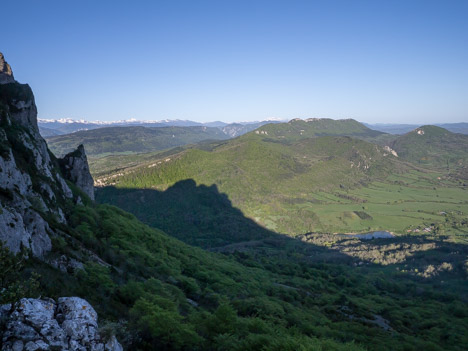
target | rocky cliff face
[
  {"x": 44, "y": 324},
  {"x": 6, "y": 74},
  {"x": 35, "y": 200},
  {"x": 76, "y": 169},
  {"x": 33, "y": 190}
]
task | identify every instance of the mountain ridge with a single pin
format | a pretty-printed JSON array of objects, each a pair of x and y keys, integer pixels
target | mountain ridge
[
  {"x": 395, "y": 128},
  {"x": 433, "y": 146},
  {"x": 132, "y": 139},
  {"x": 50, "y": 127}
]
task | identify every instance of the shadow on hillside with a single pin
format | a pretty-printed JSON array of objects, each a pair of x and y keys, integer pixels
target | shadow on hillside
[
  {"x": 197, "y": 215},
  {"x": 204, "y": 217}
]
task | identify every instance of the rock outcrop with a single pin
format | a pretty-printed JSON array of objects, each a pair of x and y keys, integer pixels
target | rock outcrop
[
  {"x": 35, "y": 199},
  {"x": 71, "y": 323},
  {"x": 32, "y": 188},
  {"x": 76, "y": 169},
  {"x": 6, "y": 74}
]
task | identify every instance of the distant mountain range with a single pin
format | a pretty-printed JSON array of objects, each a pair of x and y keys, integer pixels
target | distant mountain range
[
  {"x": 131, "y": 139},
  {"x": 53, "y": 127}
]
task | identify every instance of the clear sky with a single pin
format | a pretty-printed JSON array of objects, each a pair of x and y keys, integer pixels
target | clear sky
[{"x": 376, "y": 61}]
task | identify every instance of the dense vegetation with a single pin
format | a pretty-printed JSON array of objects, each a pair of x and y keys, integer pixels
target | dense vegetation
[
  {"x": 297, "y": 129},
  {"x": 279, "y": 294},
  {"x": 435, "y": 147},
  {"x": 115, "y": 140},
  {"x": 414, "y": 282}
]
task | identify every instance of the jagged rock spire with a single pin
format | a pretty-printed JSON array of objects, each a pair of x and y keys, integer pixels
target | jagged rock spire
[
  {"x": 75, "y": 168},
  {"x": 6, "y": 74},
  {"x": 19, "y": 101}
]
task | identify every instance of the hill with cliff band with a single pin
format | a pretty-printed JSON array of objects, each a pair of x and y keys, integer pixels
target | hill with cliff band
[{"x": 434, "y": 147}]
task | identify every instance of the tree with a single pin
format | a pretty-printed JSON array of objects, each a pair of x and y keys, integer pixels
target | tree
[{"x": 13, "y": 286}]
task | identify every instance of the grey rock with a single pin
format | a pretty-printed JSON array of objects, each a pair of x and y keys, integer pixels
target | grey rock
[
  {"x": 6, "y": 74},
  {"x": 24, "y": 112},
  {"x": 60, "y": 215},
  {"x": 11, "y": 178},
  {"x": 113, "y": 345},
  {"x": 38, "y": 345},
  {"x": 66, "y": 264},
  {"x": 76, "y": 169},
  {"x": 26, "y": 229},
  {"x": 21, "y": 207},
  {"x": 12, "y": 229},
  {"x": 42, "y": 324},
  {"x": 38, "y": 228},
  {"x": 34, "y": 312},
  {"x": 79, "y": 201},
  {"x": 65, "y": 188},
  {"x": 40, "y": 154},
  {"x": 18, "y": 345},
  {"x": 47, "y": 191}
]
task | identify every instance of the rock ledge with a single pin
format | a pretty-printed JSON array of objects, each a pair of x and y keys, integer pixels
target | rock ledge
[{"x": 43, "y": 324}]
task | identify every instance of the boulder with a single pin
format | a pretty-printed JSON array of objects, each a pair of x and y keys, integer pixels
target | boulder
[{"x": 71, "y": 323}]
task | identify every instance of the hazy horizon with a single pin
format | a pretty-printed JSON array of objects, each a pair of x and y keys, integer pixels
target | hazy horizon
[
  {"x": 273, "y": 119},
  {"x": 376, "y": 62}
]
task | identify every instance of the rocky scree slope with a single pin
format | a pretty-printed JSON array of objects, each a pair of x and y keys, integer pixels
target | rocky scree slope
[{"x": 33, "y": 189}]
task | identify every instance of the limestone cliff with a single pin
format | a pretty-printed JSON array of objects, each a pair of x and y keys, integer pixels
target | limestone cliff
[
  {"x": 33, "y": 191},
  {"x": 71, "y": 323},
  {"x": 76, "y": 169},
  {"x": 36, "y": 197},
  {"x": 6, "y": 74}
]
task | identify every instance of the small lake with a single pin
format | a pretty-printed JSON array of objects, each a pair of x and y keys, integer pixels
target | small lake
[{"x": 373, "y": 235}]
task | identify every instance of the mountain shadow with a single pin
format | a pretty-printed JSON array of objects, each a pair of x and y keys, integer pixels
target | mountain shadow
[
  {"x": 202, "y": 216},
  {"x": 198, "y": 215},
  {"x": 383, "y": 288}
]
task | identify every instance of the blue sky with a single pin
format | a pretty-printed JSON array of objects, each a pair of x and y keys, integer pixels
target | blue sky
[{"x": 375, "y": 61}]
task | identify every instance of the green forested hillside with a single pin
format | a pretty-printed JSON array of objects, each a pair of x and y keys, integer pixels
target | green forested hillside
[
  {"x": 386, "y": 294},
  {"x": 278, "y": 183},
  {"x": 433, "y": 146},
  {"x": 273, "y": 294},
  {"x": 297, "y": 129},
  {"x": 115, "y": 140},
  {"x": 324, "y": 184}
]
